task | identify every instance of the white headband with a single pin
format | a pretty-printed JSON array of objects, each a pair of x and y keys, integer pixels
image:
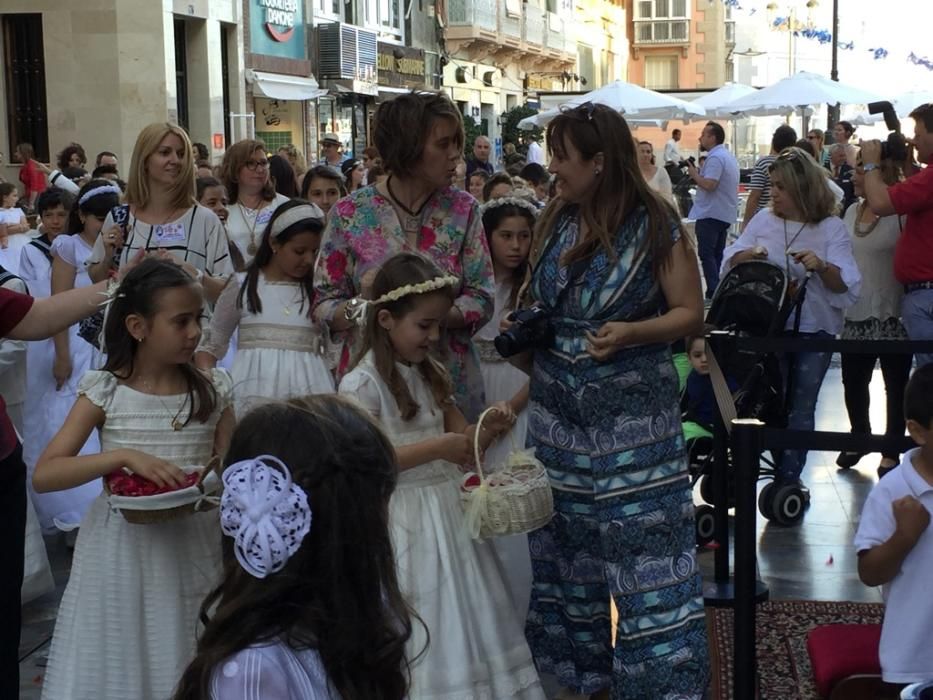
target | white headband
[
  {"x": 103, "y": 189},
  {"x": 264, "y": 512},
  {"x": 520, "y": 202},
  {"x": 294, "y": 215}
]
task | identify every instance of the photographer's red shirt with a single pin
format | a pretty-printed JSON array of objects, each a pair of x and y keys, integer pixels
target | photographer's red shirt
[
  {"x": 13, "y": 307},
  {"x": 913, "y": 256}
]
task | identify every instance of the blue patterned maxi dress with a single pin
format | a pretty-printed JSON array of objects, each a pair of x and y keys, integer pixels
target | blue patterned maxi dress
[{"x": 610, "y": 436}]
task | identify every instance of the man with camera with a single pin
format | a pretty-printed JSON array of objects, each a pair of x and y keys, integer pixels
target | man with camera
[
  {"x": 913, "y": 256},
  {"x": 716, "y": 203}
]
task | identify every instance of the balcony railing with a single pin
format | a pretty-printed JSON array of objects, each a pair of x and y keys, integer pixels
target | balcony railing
[
  {"x": 555, "y": 36},
  {"x": 510, "y": 18},
  {"x": 472, "y": 13},
  {"x": 662, "y": 31},
  {"x": 534, "y": 25}
]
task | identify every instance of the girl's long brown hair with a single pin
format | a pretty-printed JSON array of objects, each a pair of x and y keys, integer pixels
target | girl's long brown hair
[
  {"x": 398, "y": 271},
  {"x": 618, "y": 191},
  {"x": 339, "y": 593}
]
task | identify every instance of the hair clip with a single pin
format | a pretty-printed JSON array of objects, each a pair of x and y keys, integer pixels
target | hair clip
[{"x": 265, "y": 513}]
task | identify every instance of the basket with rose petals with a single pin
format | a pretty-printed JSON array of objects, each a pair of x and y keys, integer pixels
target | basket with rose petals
[
  {"x": 512, "y": 501},
  {"x": 143, "y": 502}
]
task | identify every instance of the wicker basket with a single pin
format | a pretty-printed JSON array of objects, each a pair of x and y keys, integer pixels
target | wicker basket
[
  {"x": 515, "y": 500},
  {"x": 160, "y": 508}
]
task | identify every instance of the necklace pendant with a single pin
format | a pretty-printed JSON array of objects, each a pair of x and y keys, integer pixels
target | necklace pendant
[
  {"x": 412, "y": 223},
  {"x": 252, "y": 248},
  {"x": 177, "y": 425},
  {"x": 287, "y": 311}
]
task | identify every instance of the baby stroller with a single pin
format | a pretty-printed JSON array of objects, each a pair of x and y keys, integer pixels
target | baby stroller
[
  {"x": 751, "y": 301},
  {"x": 681, "y": 185}
]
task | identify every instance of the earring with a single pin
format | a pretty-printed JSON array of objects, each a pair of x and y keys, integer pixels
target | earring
[{"x": 597, "y": 171}]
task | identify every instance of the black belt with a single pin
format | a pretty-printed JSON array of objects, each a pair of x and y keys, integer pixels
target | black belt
[{"x": 916, "y": 286}]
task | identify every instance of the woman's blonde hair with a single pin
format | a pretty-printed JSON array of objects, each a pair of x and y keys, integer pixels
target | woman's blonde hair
[
  {"x": 620, "y": 188},
  {"x": 398, "y": 271},
  {"x": 238, "y": 155},
  {"x": 183, "y": 192},
  {"x": 804, "y": 181}
]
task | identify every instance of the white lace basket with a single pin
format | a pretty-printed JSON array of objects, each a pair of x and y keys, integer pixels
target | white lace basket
[
  {"x": 512, "y": 501},
  {"x": 146, "y": 510}
]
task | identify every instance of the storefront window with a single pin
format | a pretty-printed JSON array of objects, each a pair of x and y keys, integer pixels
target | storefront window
[{"x": 279, "y": 122}]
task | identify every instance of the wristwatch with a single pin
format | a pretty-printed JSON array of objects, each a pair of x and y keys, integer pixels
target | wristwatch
[
  {"x": 868, "y": 167},
  {"x": 353, "y": 310}
]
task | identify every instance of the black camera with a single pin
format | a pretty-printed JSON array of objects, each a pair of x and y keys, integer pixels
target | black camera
[
  {"x": 530, "y": 328},
  {"x": 685, "y": 163},
  {"x": 895, "y": 148}
]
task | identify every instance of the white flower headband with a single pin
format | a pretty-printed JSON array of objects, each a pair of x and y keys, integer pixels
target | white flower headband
[
  {"x": 95, "y": 191},
  {"x": 520, "y": 202},
  {"x": 293, "y": 216},
  {"x": 264, "y": 512},
  {"x": 420, "y": 288}
]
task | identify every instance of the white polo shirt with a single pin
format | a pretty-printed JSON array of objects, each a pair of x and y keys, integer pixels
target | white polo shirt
[{"x": 905, "y": 651}]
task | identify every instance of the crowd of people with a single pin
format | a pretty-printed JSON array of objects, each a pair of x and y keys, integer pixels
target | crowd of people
[{"x": 327, "y": 332}]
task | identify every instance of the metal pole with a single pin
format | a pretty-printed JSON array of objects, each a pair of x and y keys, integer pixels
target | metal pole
[
  {"x": 833, "y": 113},
  {"x": 746, "y": 451}
]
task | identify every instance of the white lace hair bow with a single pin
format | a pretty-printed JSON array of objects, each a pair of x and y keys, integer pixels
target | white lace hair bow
[{"x": 264, "y": 512}]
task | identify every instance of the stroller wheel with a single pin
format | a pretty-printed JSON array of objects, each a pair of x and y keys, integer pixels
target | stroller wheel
[
  {"x": 788, "y": 504},
  {"x": 706, "y": 488},
  {"x": 705, "y": 523},
  {"x": 765, "y": 501}
]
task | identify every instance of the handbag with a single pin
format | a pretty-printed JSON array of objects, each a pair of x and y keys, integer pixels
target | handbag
[{"x": 512, "y": 501}]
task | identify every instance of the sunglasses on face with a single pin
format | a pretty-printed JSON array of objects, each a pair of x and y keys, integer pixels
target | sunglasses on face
[{"x": 255, "y": 164}]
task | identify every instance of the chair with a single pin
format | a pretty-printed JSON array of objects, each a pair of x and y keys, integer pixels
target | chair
[{"x": 845, "y": 661}]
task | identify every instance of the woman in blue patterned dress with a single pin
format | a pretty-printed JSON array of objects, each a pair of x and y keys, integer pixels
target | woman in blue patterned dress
[{"x": 620, "y": 283}]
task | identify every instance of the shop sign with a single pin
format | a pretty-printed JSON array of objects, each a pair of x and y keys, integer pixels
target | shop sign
[
  {"x": 277, "y": 28},
  {"x": 400, "y": 66}
]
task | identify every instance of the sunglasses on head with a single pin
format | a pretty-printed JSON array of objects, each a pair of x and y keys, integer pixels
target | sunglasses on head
[{"x": 584, "y": 111}]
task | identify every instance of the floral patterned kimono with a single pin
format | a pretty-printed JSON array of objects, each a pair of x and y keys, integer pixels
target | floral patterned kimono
[{"x": 363, "y": 231}]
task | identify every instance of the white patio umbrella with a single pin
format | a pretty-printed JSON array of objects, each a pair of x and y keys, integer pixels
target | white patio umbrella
[
  {"x": 639, "y": 105},
  {"x": 799, "y": 91},
  {"x": 715, "y": 102},
  {"x": 909, "y": 101},
  {"x": 636, "y": 102},
  {"x": 541, "y": 119}
]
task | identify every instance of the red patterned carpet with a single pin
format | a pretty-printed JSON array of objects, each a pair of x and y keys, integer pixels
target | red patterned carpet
[{"x": 782, "y": 627}]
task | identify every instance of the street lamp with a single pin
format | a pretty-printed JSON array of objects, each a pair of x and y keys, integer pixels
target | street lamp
[{"x": 793, "y": 26}]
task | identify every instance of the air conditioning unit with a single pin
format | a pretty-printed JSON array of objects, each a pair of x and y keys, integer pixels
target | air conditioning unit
[{"x": 345, "y": 51}]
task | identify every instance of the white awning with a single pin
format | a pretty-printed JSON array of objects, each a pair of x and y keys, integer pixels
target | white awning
[{"x": 284, "y": 87}]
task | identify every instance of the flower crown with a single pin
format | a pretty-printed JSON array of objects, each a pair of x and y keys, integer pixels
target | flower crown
[
  {"x": 510, "y": 200},
  {"x": 420, "y": 288}
]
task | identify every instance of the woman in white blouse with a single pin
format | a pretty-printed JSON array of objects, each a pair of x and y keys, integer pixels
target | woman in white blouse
[
  {"x": 876, "y": 316},
  {"x": 802, "y": 234},
  {"x": 245, "y": 174},
  {"x": 657, "y": 178}
]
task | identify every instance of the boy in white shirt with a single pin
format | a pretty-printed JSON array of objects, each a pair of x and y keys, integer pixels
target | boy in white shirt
[{"x": 895, "y": 545}]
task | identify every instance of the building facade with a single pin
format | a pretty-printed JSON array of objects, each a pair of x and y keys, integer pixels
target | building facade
[{"x": 97, "y": 73}]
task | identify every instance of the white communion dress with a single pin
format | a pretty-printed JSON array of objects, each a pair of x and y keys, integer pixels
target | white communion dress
[
  {"x": 46, "y": 407},
  {"x": 501, "y": 382},
  {"x": 455, "y": 584},
  {"x": 280, "y": 350},
  {"x": 127, "y": 624}
]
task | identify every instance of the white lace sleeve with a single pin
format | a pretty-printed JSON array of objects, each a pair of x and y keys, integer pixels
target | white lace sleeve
[
  {"x": 225, "y": 320},
  {"x": 270, "y": 673}
]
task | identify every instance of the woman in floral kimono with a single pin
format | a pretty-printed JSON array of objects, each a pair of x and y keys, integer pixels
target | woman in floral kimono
[{"x": 420, "y": 137}]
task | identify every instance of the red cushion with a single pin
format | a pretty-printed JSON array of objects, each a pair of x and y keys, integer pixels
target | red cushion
[{"x": 839, "y": 651}]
